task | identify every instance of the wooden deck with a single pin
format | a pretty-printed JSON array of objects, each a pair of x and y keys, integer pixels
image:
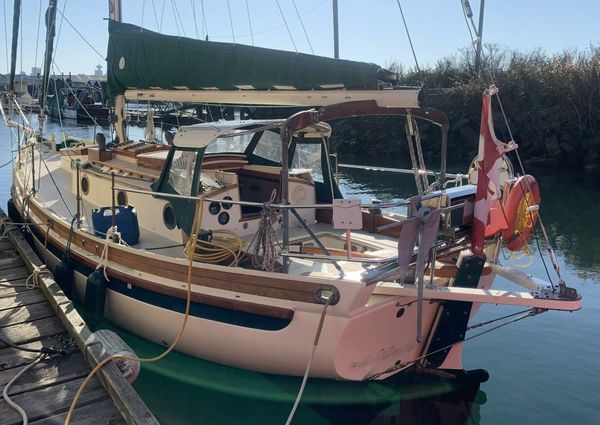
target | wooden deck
[{"x": 42, "y": 316}]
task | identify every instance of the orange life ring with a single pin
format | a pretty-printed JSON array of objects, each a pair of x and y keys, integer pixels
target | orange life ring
[{"x": 521, "y": 209}]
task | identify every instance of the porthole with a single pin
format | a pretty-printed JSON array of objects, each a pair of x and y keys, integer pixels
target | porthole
[
  {"x": 400, "y": 312},
  {"x": 122, "y": 198},
  {"x": 169, "y": 218},
  {"x": 214, "y": 208},
  {"x": 223, "y": 218},
  {"x": 299, "y": 195},
  {"x": 85, "y": 185},
  {"x": 227, "y": 205}
]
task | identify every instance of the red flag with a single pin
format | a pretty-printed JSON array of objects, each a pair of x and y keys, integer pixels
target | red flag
[{"x": 489, "y": 161}]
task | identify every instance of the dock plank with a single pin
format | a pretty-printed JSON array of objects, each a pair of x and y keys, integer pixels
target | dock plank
[
  {"x": 99, "y": 413},
  {"x": 8, "y": 252},
  {"x": 15, "y": 316},
  {"x": 51, "y": 401},
  {"x": 20, "y": 272},
  {"x": 13, "y": 287},
  {"x": 11, "y": 357},
  {"x": 5, "y": 245},
  {"x": 21, "y": 298},
  {"x": 26, "y": 332},
  {"x": 52, "y": 371},
  {"x": 10, "y": 262}
]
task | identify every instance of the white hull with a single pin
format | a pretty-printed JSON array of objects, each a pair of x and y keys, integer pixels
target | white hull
[
  {"x": 354, "y": 344},
  {"x": 245, "y": 317}
]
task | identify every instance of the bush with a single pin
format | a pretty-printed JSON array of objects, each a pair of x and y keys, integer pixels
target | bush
[{"x": 551, "y": 102}]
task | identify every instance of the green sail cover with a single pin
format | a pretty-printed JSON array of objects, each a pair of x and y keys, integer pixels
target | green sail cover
[{"x": 142, "y": 59}]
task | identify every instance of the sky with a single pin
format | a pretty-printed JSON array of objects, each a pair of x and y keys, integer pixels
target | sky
[{"x": 369, "y": 30}]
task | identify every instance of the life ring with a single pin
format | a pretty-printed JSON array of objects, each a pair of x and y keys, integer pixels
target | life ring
[{"x": 521, "y": 210}]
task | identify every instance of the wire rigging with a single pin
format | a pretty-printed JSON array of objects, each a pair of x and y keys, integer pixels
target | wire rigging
[
  {"x": 175, "y": 18},
  {"x": 162, "y": 15},
  {"x": 408, "y": 35},
  {"x": 155, "y": 15},
  {"x": 178, "y": 16},
  {"x": 193, "y": 4},
  {"x": 143, "y": 10},
  {"x": 272, "y": 28},
  {"x": 83, "y": 37},
  {"x": 230, "y": 21},
  {"x": 303, "y": 28},
  {"x": 286, "y": 25},
  {"x": 204, "y": 26},
  {"x": 249, "y": 22},
  {"x": 467, "y": 12}
]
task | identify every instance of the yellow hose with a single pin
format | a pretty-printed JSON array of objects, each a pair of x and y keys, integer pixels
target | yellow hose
[{"x": 217, "y": 250}]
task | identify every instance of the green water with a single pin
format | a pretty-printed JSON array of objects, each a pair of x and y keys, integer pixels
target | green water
[{"x": 543, "y": 370}]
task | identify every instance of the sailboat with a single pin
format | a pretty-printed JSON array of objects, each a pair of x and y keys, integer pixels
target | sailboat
[
  {"x": 238, "y": 229},
  {"x": 83, "y": 103}
]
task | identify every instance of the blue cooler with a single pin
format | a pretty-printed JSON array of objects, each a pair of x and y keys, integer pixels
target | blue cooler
[{"x": 125, "y": 220}]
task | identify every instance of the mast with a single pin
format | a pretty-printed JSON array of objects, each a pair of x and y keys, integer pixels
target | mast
[
  {"x": 114, "y": 13},
  {"x": 50, "y": 32},
  {"x": 336, "y": 41},
  {"x": 15, "y": 40},
  {"x": 480, "y": 35}
]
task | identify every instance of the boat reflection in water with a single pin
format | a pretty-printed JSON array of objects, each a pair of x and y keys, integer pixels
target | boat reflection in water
[{"x": 185, "y": 390}]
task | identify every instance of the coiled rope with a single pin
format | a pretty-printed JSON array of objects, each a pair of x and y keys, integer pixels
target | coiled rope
[
  {"x": 33, "y": 279},
  {"x": 215, "y": 250}
]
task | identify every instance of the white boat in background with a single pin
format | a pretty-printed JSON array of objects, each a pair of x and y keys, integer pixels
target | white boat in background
[{"x": 245, "y": 220}]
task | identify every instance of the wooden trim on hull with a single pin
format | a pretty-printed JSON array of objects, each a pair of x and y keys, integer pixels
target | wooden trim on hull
[
  {"x": 237, "y": 305},
  {"x": 266, "y": 286}
]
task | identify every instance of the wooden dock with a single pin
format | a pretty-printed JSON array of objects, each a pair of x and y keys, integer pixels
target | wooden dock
[{"x": 44, "y": 317}]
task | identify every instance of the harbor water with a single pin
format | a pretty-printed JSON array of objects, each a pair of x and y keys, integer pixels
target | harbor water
[{"x": 542, "y": 370}]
